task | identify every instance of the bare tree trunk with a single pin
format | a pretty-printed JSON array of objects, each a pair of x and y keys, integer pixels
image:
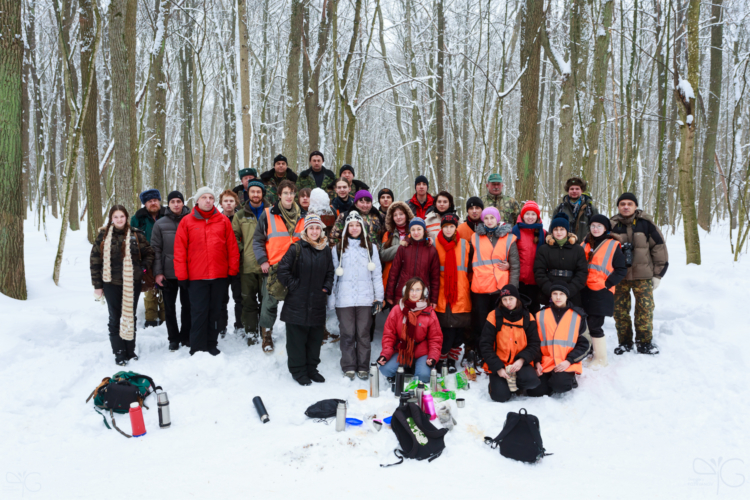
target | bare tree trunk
[
  {"x": 662, "y": 61},
  {"x": 26, "y": 132},
  {"x": 708, "y": 178},
  {"x": 186, "y": 75},
  {"x": 312, "y": 68},
  {"x": 247, "y": 126},
  {"x": 12, "y": 269},
  {"x": 122, "y": 22},
  {"x": 291, "y": 124},
  {"x": 440, "y": 163},
  {"x": 52, "y": 166},
  {"x": 531, "y": 23}
]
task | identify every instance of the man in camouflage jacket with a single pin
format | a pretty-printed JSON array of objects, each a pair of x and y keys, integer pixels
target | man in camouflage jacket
[
  {"x": 273, "y": 178},
  {"x": 317, "y": 176},
  {"x": 507, "y": 206}
]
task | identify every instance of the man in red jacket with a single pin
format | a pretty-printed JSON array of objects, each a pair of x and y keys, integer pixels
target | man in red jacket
[
  {"x": 422, "y": 200},
  {"x": 205, "y": 255}
]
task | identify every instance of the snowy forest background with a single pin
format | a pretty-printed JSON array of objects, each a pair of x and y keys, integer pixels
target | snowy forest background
[{"x": 101, "y": 99}]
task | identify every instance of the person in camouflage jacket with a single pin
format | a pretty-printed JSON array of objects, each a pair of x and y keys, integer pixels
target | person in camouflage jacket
[
  {"x": 317, "y": 172},
  {"x": 507, "y": 206},
  {"x": 273, "y": 178},
  {"x": 370, "y": 215},
  {"x": 578, "y": 207}
]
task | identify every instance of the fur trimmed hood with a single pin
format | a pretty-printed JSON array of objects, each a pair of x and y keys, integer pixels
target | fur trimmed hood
[{"x": 389, "y": 225}]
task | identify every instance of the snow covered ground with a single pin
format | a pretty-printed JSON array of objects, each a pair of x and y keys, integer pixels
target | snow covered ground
[{"x": 671, "y": 426}]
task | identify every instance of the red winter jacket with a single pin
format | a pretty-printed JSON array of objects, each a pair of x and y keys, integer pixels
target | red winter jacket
[
  {"x": 417, "y": 208},
  {"x": 428, "y": 329},
  {"x": 527, "y": 247},
  {"x": 205, "y": 249},
  {"x": 418, "y": 259}
]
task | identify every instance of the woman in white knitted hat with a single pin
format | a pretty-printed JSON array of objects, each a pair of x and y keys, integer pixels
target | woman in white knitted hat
[{"x": 358, "y": 294}]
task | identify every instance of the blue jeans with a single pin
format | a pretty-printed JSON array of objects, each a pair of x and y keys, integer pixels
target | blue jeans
[{"x": 421, "y": 370}]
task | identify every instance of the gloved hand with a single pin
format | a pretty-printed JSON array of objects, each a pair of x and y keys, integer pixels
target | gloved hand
[
  {"x": 377, "y": 306},
  {"x": 655, "y": 282}
]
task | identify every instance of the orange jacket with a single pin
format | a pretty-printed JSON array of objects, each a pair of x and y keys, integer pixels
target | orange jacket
[
  {"x": 463, "y": 303},
  {"x": 465, "y": 231},
  {"x": 600, "y": 265},
  {"x": 278, "y": 240},
  {"x": 509, "y": 340},
  {"x": 487, "y": 277},
  {"x": 386, "y": 265},
  {"x": 558, "y": 339}
]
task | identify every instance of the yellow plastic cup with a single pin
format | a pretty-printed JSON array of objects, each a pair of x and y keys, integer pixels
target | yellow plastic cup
[{"x": 361, "y": 394}]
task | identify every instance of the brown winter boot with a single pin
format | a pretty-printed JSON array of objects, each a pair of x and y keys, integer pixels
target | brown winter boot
[
  {"x": 267, "y": 340},
  {"x": 330, "y": 338}
]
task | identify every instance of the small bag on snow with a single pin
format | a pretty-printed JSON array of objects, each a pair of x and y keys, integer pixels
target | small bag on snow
[
  {"x": 417, "y": 436},
  {"x": 323, "y": 409},
  {"x": 116, "y": 393},
  {"x": 520, "y": 438}
]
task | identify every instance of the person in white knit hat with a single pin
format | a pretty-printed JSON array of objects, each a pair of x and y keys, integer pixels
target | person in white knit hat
[{"x": 357, "y": 294}]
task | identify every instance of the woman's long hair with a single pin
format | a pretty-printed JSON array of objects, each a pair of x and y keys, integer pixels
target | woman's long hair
[
  {"x": 345, "y": 243},
  {"x": 449, "y": 197},
  {"x": 410, "y": 284},
  {"x": 116, "y": 208}
]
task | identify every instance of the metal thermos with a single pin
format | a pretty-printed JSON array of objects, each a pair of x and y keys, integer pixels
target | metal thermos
[
  {"x": 341, "y": 417},
  {"x": 433, "y": 380},
  {"x": 444, "y": 372},
  {"x": 420, "y": 392},
  {"x": 374, "y": 381},
  {"x": 399, "y": 380},
  {"x": 162, "y": 401},
  {"x": 261, "y": 409},
  {"x": 404, "y": 399}
]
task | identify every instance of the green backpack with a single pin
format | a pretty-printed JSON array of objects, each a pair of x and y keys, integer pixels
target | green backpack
[{"x": 116, "y": 393}]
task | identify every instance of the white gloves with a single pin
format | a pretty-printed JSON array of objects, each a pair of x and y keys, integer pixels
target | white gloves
[{"x": 655, "y": 282}]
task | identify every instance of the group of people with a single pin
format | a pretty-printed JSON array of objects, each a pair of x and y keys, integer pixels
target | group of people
[{"x": 527, "y": 304}]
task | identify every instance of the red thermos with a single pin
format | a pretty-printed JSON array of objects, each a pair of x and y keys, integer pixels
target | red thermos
[{"x": 136, "y": 420}]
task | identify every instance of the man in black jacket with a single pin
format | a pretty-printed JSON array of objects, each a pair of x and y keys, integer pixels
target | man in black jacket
[
  {"x": 347, "y": 172},
  {"x": 247, "y": 175},
  {"x": 162, "y": 241}
]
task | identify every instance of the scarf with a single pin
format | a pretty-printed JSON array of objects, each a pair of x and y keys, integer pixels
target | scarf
[
  {"x": 562, "y": 242},
  {"x": 341, "y": 205},
  {"x": 321, "y": 244},
  {"x": 206, "y": 215},
  {"x": 127, "y": 316},
  {"x": 403, "y": 232},
  {"x": 411, "y": 311},
  {"x": 450, "y": 283},
  {"x": 290, "y": 217},
  {"x": 575, "y": 205}
]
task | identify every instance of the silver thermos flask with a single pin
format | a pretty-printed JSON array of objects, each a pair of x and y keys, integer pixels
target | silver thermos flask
[
  {"x": 420, "y": 392},
  {"x": 433, "y": 380},
  {"x": 162, "y": 401},
  {"x": 341, "y": 417},
  {"x": 444, "y": 372},
  {"x": 374, "y": 381}
]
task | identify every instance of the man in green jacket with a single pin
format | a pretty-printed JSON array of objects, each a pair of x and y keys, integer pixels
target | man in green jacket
[
  {"x": 578, "y": 207},
  {"x": 274, "y": 177},
  {"x": 144, "y": 219},
  {"x": 244, "y": 223},
  {"x": 506, "y": 205},
  {"x": 317, "y": 176}
]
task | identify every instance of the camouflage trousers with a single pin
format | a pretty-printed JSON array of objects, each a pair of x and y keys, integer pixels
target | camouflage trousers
[{"x": 644, "y": 311}]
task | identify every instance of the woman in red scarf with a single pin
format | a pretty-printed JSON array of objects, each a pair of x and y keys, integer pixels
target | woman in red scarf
[
  {"x": 412, "y": 335},
  {"x": 454, "y": 302}
]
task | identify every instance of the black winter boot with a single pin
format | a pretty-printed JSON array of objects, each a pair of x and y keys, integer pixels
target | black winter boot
[
  {"x": 304, "y": 380},
  {"x": 647, "y": 348},
  {"x": 174, "y": 346},
  {"x": 317, "y": 377},
  {"x": 452, "y": 365},
  {"x": 121, "y": 358},
  {"x": 623, "y": 348},
  {"x": 213, "y": 351},
  {"x": 150, "y": 324}
]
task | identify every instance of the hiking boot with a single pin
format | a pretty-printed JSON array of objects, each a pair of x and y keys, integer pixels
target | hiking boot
[
  {"x": 304, "y": 380},
  {"x": 647, "y": 348},
  {"x": 223, "y": 333},
  {"x": 174, "y": 346},
  {"x": 317, "y": 377},
  {"x": 330, "y": 338},
  {"x": 267, "y": 346},
  {"x": 363, "y": 375},
  {"x": 623, "y": 348},
  {"x": 121, "y": 358},
  {"x": 150, "y": 324},
  {"x": 350, "y": 374},
  {"x": 451, "y": 365},
  {"x": 252, "y": 337},
  {"x": 213, "y": 351}
]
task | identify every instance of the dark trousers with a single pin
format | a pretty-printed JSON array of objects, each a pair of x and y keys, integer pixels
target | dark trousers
[
  {"x": 251, "y": 299},
  {"x": 113, "y": 294},
  {"x": 303, "y": 349},
  {"x": 551, "y": 382},
  {"x": 354, "y": 327},
  {"x": 481, "y": 306},
  {"x": 526, "y": 378},
  {"x": 235, "y": 285},
  {"x": 177, "y": 333},
  {"x": 206, "y": 302},
  {"x": 595, "y": 324},
  {"x": 452, "y": 337},
  {"x": 533, "y": 292}
]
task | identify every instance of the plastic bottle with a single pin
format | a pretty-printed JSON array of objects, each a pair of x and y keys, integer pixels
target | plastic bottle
[
  {"x": 136, "y": 420},
  {"x": 428, "y": 405}
]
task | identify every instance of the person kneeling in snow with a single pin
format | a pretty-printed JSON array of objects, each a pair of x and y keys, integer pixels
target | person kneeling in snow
[
  {"x": 309, "y": 279},
  {"x": 565, "y": 343},
  {"x": 412, "y": 333},
  {"x": 510, "y": 347}
]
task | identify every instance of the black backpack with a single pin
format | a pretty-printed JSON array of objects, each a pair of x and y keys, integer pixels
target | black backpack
[
  {"x": 324, "y": 409},
  {"x": 520, "y": 438},
  {"x": 410, "y": 446}
]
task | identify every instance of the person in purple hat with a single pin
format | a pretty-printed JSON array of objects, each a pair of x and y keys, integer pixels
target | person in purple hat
[{"x": 369, "y": 214}]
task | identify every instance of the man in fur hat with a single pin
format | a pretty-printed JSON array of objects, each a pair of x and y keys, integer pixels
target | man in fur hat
[{"x": 577, "y": 206}]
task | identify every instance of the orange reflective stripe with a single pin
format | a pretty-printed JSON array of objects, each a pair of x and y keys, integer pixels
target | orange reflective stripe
[{"x": 278, "y": 242}]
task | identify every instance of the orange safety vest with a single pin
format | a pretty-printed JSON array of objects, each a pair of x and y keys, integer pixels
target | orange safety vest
[
  {"x": 600, "y": 265},
  {"x": 387, "y": 265},
  {"x": 487, "y": 277},
  {"x": 508, "y": 343},
  {"x": 278, "y": 240},
  {"x": 463, "y": 303},
  {"x": 465, "y": 231},
  {"x": 558, "y": 339}
]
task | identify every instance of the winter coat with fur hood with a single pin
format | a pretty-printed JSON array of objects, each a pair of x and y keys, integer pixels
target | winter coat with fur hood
[{"x": 569, "y": 257}]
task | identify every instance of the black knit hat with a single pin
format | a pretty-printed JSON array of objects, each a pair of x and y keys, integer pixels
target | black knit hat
[
  {"x": 560, "y": 220},
  {"x": 603, "y": 220},
  {"x": 628, "y": 196},
  {"x": 175, "y": 194},
  {"x": 559, "y": 287},
  {"x": 509, "y": 291},
  {"x": 344, "y": 168},
  {"x": 280, "y": 158},
  {"x": 317, "y": 153},
  {"x": 421, "y": 178},
  {"x": 474, "y": 201},
  {"x": 386, "y": 191},
  {"x": 449, "y": 219}
]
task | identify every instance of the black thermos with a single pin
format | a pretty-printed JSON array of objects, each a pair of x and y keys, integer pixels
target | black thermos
[{"x": 261, "y": 409}]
